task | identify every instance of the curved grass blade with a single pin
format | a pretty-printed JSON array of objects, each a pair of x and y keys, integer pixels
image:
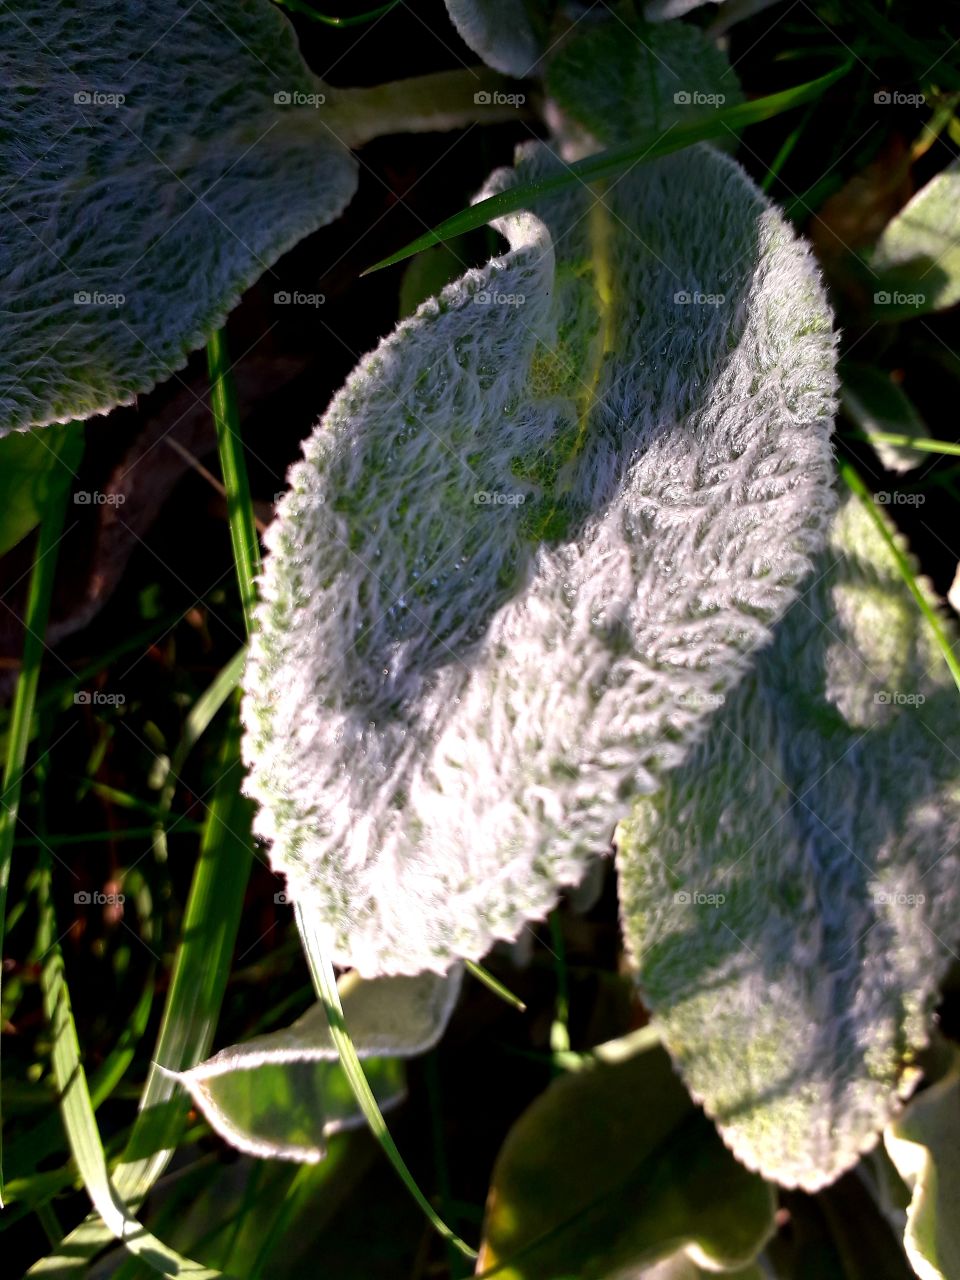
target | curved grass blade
[
  {"x": 24, "y": 700},
  {"x": 608, "y": 164},
  {"x": 226, "y": 417},
  {"x": 196, "y": 991},
  {"x": 324, "y": 980},
  {"x": 78, "y": 1115},
  {"x": 246, "y": 548}
]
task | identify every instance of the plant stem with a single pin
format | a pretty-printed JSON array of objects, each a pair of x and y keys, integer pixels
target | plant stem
[{"x": 423, "y": 104}]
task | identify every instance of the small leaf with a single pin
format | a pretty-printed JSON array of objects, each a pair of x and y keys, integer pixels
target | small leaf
[
  {"x": 876, "y": 404},
  {"x": 34, "y": 466},
  {"x": 663, "y": 10},
  {"x": 279, "y": 1095},
  {"x": 613, "y": 1168},
  {"x": 924, "y": 1144},
  {"x": 147, "y": 185},
  {"x": 790, "y": 895},
  {"x": 918, "y": 255},
  {"x": 509, "y": 35},
  {"x": 623, "y": 78},
  {"x": 540, "y": 524},
  {"x": 426, "y": 274}
]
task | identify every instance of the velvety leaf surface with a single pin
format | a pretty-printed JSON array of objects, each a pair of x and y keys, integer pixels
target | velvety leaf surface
[
  {"x": 613, "y": 1168},
  {"x": 280, "y": 1094},
  {"x": 509, "y": 35},
  {"x": 790, "y": 895},
  {"x": 550, "y": 515},
  {"x": 619, "y": 79},
  {"x": 156, "y": 159}
]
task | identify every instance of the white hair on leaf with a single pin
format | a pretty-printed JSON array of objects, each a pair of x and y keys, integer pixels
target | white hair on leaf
[
  {"x": 536, "y": 532},
  {"x": 790, "y": 895}
]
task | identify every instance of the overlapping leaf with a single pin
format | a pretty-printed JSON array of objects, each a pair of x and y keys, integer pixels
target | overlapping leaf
[
  {"x": 282, "y": 1094},
  {"x": 614, "y": 1168},
  {"x": 924, "y": 1144},
  {"x": 509, "y": 35},
  {"x": 540, "y": 524},
  {"x": 621, "y": 78},
  {"x": 156, "y": 160},
  {"x": 917, "y": 258},
  {"x": 790, "y": 895},
  {"x": 877, "y": 404}
]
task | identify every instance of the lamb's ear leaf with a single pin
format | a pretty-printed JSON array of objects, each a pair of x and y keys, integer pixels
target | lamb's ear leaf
[
  {"x": 917, "y": 258},
  {"x": 509, "y": 35},
  {"x": 790, "y": 894},
  {"x": 621, "y": 78},
  {"x": 281, "y": 1094},
  {"x": 613, "y": 1168},
  {"x": 540, "y": 526},
  {"x": 146, "y": 189},
  {"x": 879, "y": 407},
  {"x": 33, "y": 466},
  {"x": 924, "y": 1144}
]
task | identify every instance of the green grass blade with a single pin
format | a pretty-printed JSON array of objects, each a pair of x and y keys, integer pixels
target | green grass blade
[
  {"x": 325, "y": 984},
  {"x": 494, "y": 985},
  {"x": 243, "y": 528},
  {"x": 196, "y": 991},
  {"x": 79, "y": 1119},
  {"x": 911, "y": 442},
  {"x": 855, "y": 483},
  {"x": 246, "y": 550},
  {"x": 607, "y": 164},
  {"x": 24, "y": 700}
]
